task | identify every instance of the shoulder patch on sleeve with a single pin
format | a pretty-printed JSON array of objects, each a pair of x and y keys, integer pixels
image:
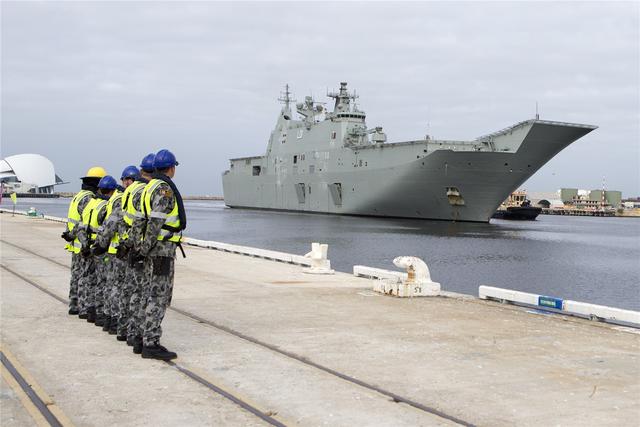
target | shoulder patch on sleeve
[{"x": 166, "y": 192}]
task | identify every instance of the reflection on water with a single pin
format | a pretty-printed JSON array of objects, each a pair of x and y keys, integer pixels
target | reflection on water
[{"x": 587, "y": 259}]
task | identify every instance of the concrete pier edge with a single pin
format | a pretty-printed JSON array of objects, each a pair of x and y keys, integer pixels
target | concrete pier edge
[
  {"x": 594, "y": 312},
  {"x": 312, "y": 350}
]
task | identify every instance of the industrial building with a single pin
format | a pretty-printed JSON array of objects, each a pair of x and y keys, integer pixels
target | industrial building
[
  {"x": 28, "y": 173},
  {"x": 593, "y": 198}
]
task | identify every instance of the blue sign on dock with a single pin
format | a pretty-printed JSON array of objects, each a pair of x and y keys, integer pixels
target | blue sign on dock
[{"x": 551, "y": 302}]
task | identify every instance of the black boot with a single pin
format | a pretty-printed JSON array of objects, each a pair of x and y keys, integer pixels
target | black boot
[
  {"x": 137, "y": 345},
  {"x": 74, "y": 311},
  {"x": 91, "y": 315},
  {"x": 157, "y": 352},
  {"x": 130, "y": 340},
  {"x": 100, "y": 319},
  {"x": 83, "y": 315},
  {"x": 107, "y": 323},
  {"x": 121, "y": 337},
  {"x": 113, "y": 329}
]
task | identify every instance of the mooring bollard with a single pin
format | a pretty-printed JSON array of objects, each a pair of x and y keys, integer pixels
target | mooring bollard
[
  {"x": 417, "y": 284},
  {"x": 319, "y": 262}
]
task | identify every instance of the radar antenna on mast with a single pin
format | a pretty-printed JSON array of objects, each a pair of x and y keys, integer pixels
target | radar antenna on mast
[
  {"x": 342, "y": 98},
  {"x": 285, "y": 97}
]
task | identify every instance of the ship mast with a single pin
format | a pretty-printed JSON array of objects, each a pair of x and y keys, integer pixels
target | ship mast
[
  {"x": 285, "y": 98},
  {"x": 342, "y": 98}
]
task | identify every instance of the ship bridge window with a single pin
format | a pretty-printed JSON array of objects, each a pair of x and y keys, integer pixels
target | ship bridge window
[
  {"x": 333, "y": 135},
  {"x": 295, "y": 159},
  {"x": 256, "y": 170}
]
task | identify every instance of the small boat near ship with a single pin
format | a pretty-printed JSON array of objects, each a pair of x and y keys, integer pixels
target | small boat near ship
[{"x": 517, "y": 207}]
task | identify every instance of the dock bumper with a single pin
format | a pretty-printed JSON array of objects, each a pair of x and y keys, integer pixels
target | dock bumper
[{"x": 558, "y": 305}]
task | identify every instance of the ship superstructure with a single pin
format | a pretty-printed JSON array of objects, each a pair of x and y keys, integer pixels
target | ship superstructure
[{"x": 331, "y": 162}]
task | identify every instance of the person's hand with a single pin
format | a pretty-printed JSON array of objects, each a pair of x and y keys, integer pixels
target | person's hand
[
  {"x": 85, "y": 252},
  {"x": 97, "y": 250},
  {"x": 136, "y": 260},
  {"x": 66, "y": 236},
  {"x": 122, "y": 251}
]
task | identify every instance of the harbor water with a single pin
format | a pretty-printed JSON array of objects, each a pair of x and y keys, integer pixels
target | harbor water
[{"x": 586, "y": 259}]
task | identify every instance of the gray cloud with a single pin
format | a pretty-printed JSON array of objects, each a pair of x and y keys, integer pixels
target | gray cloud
[{"x": 105, "y": 83}]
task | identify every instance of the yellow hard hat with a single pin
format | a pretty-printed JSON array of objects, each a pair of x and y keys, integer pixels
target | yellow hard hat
[{"x": 95, "y": 172}]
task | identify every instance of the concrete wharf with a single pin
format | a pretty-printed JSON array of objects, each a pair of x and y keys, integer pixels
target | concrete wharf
[
  {"x": 261, "y": 343},
  {"x": 579, "y": 212}
]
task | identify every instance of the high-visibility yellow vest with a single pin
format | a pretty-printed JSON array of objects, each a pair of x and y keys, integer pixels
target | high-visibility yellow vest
[
  {"x": 129, "y": 210},
  {"x": 73, "y": 218},
  {"x": 172, "y": 219},
  {"x": 113, "y": 245},
  {"x": 90, "y": 216}
]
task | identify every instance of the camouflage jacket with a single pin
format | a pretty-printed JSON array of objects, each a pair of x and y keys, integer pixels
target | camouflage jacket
[
  {"x": 81, "y": 205},
  {"x": 138, "y": 226},
  {"x": 162, "y": 201},
  {"x": 111, "y": 225},
  {"x": 83, "y": 235}
]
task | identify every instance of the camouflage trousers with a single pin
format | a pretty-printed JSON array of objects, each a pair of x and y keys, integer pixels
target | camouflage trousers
[
  {"x": 132, "y": 309},
  {"x": 115, "y": 278},
  {"x": 76, "y": 272},
  {"x": 86, "y": 283},
  {"x": 157, "y": 298},
  {"x": 99, "y": 290}
]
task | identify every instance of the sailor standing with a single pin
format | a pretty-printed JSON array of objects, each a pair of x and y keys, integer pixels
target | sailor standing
[
  {"x": 74, "y": 217},
  {"x": 166, "y": 220},
  {"x": 108, "y": 241},
  {"x": 94, "y": 274},
  {"x": 136, "y": 274}
]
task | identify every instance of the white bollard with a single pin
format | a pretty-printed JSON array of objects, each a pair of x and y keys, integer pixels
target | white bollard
[
  {"x": 319, "y": 262},
  {"x": 417, "y": 284}
]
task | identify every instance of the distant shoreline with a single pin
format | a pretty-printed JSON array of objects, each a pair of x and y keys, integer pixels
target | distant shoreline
[
  {"x": 68, "y": 195},
  {"x": 203, "y": 198}
]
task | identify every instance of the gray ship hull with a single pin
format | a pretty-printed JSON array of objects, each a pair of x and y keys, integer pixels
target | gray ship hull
[{"x": 407, "y": 180}]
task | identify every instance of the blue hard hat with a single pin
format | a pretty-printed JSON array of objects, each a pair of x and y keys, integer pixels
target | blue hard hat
[
  {"x": 108, "y": 183},
  {"x": 147, "y": 162},
  {"x": 164, "y": 159},
  {"x": 130, "y": 172}
]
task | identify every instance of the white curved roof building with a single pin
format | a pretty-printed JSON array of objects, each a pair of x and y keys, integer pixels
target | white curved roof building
[{"x": 28, "y": 173}]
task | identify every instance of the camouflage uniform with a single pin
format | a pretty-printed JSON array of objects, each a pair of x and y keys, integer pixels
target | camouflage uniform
[
  {"x": 129, "y": 322},
  {"x": 139, "y": 276},
  {"x": 116, "y": 280},
  {"x": 86, "y": 284},
  {"x": 77, "y": 263},
  {"x": 89, "y": 295},
  {"x": 100, "y": 292},
  {"x": 114, "y": 270},
  {"x": 160, "y": 262},
  {"x": 76, "y": 272}
]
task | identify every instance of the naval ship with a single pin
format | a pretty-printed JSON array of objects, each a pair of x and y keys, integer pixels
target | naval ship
[{"x": 331, "y": 162}]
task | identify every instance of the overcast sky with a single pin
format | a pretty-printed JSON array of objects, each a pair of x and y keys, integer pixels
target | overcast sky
[{"x": 87, "y": 83}]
